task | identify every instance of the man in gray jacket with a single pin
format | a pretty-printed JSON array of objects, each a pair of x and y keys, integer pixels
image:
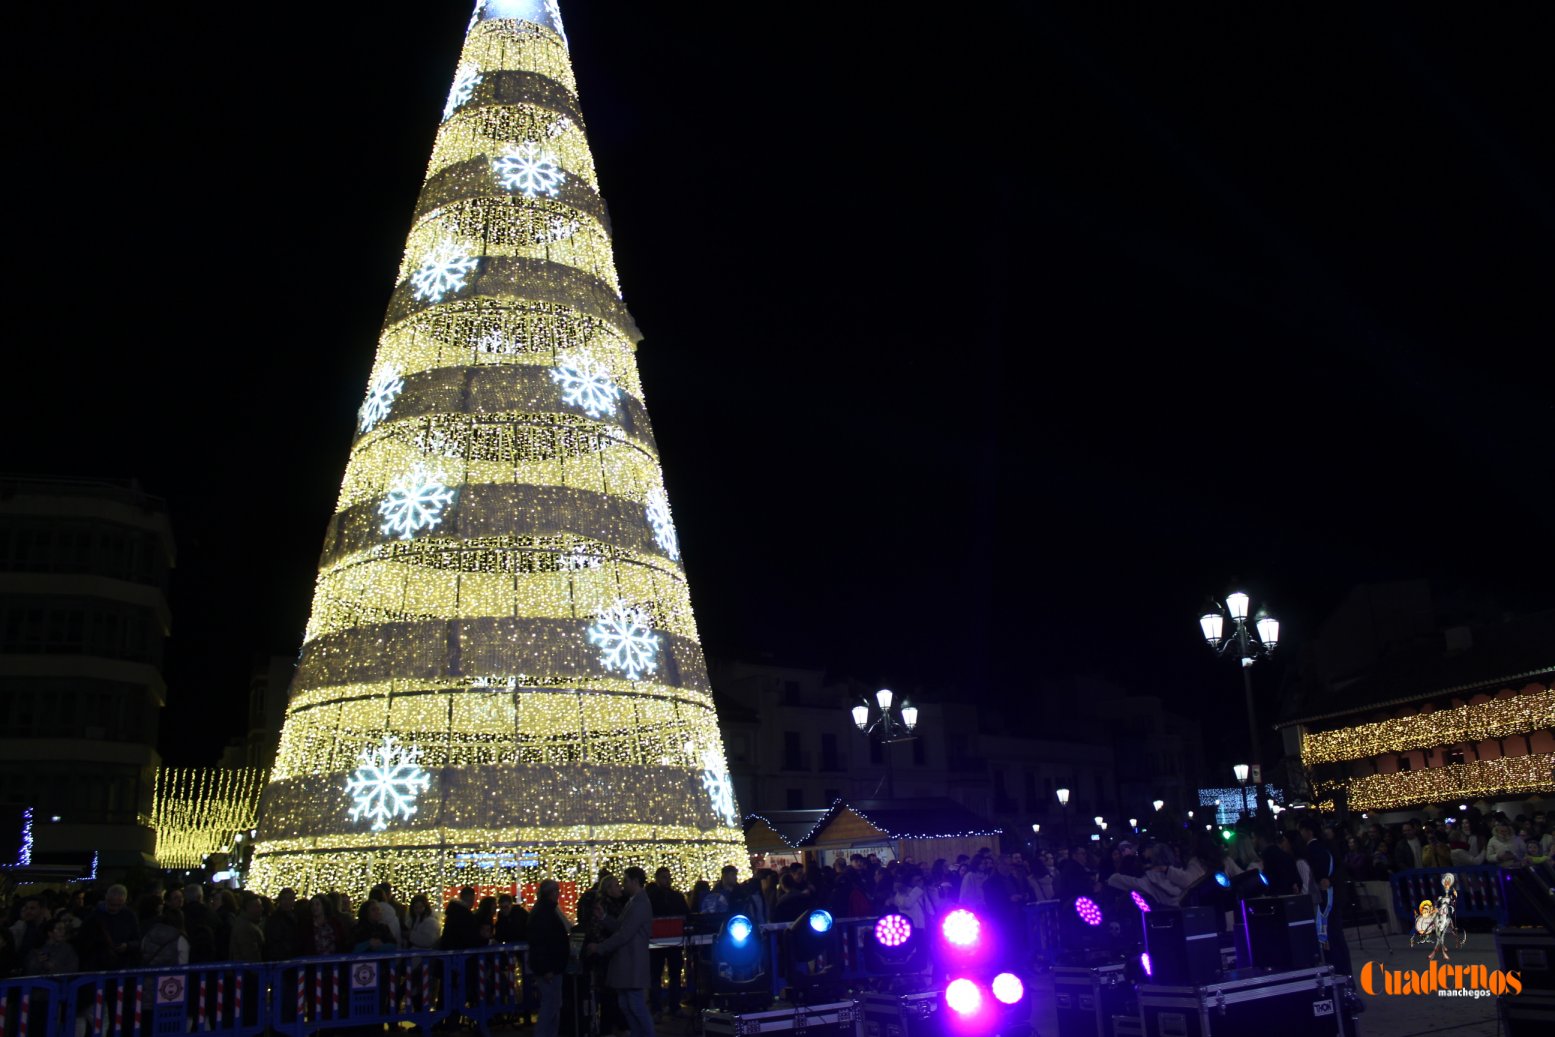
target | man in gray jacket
[{"x": 626, "y": 971}]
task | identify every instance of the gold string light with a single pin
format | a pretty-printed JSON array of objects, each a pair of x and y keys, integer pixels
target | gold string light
[
  {"x": 1509, "y": 775},
  {"x": 198, "y": 811},
  {"x": 1498, "y": 718}
]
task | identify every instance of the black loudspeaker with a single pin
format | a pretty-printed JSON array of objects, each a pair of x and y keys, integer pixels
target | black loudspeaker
[
  {"x": 1281, "y": 932},
  {"x": 1183, "y": 944}
]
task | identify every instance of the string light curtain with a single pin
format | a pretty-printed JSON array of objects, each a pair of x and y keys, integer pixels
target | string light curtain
[
  {"x": 198, "y": 811},
  {"x": 501, "y": 678}
]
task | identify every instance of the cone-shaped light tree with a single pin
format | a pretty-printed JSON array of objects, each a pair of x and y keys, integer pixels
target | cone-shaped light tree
[{"x": 501, "y": 679}]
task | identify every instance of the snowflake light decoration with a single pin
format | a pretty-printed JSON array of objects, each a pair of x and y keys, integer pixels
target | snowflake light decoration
[
  {"x": 385, "y": 386},
  {"x": 442, "y": 271},
  {"x": 387, "y": 781},
  {"x": 530, "y": 170},
  {"x": 466, "y": 78},
  {"x": 559, "y": 127},
  {"x": 658, "y": 511},
  {"x": 494, "y": 684},
  {"x": 626, "y": 640},
  {"x": 720, "y": 789},
  {"x": 495, "y": 343},
  {"x": 415, "y": 502},
  {"x": 585, "y": 384}
]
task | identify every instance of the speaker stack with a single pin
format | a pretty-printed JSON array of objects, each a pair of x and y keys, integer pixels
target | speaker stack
[
  {"x": 1183, "y": 944},
  {"x": 1280, "y": 932}
]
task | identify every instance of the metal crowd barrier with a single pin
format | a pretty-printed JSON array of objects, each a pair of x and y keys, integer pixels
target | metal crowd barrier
[
  {"x": 244, "y": 999},
  {"x": 296, "y": 998},
  {"x": 1479, "y": 892}
]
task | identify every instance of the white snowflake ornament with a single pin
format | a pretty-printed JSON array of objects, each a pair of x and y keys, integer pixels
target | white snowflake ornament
[
  {"x": 415, "y": 502},
  {"x": 442, "y": 271},
  {"x": 387, "y": 781},
  {"x": 658, "y": 512},
  {"x": 585, "y": 383},
  {"x": 466, "y": 78},
  {"x": 720, "y": 789},
  {"x": 381, "y": 392},
  {"x": 627, "y": 643},
  {"x": 530, "y": 170}
]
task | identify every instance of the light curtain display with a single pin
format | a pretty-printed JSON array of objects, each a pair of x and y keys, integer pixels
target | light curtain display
[{"x": 501, "y": 678}]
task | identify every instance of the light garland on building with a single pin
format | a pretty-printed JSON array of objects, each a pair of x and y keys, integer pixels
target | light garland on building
[
  {"x": 198, "y": 811},
  {"x": 1509, "y": 775},
  {"x": 1498, "y": 718},
  {"x": 500, "y": 588}
]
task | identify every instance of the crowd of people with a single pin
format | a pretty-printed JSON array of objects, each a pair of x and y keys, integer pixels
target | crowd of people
[{"x": 53, "y": 932}]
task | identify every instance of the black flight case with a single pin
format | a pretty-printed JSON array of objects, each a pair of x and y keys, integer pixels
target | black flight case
[{"x": 1300, "y": 1003}]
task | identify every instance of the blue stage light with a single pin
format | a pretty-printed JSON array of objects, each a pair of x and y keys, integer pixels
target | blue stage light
[
  {"x": 739, "y": 930},
  {"x": 820, "y": 921}
]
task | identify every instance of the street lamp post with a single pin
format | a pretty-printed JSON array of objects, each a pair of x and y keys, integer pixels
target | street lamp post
[
  {"x": 888, "y": 728},
  {"x": 1212, "y": 623},
  {"x": 1063, "y": 803},
  {"x": 1241, "y": 771}
]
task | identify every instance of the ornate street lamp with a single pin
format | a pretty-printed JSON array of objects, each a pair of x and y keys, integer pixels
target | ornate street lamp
[
  {"x": 888, "y": 728},
  {"x": 1241, "y": 771},
  {"x": 1063, "y": 803},
  {"x": 1213, "y": 625}
]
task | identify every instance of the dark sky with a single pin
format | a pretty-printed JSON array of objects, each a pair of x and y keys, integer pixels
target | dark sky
[{"x": 980, "y": 345}]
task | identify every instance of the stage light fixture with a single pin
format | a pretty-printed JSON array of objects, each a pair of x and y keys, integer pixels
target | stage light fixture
[
  {"x": 892, "y": 946},
  {"x": 962, "y": 928},
  {"x": 739, "y": 975},
  {"x": 964, "y": 997},
  {"x": 1008, "y": 988},
  {"x": 1222, "y": 880},
  {"x": 1144, "y": 963},
  {"x": 1086, "y": 908},
  {"x": 1140, "y": 901},
  {"x": 812, "y": 957}
]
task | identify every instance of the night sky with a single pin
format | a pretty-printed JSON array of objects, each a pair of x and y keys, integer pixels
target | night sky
[{"x": 981, "y": 345}]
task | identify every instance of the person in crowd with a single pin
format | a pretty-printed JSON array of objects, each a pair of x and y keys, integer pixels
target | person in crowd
[
  {"x": 593, "y": 893},
  {"x": 667, "y": 902},
  {"x": 110, "y": 939},
  {"x": 1438, "y": 852},
  {"x": 281, "y": 928},
  {"x": 549, "y": 952},
  {"x": 200, "y": 926},
  {"x": 698, "y": 896},
  {"x": 1356, "y": 861},
  {"x": 324, "y": 933},
  {"x": 370, "y": 935},
  {"x": 486, "y": 919},
  {"x": 391, "y": 915},
  {"x": 512, "y": 920},
  {"x": 1327, "y": 889},
  {"x": 461, "y": 931},
  {"x": 421, "y": 925},
  {"x": 626, "y": 951},
  {"x": 1155, "y": 883},
  {"x": 247, "y": 939},
  {"x": 1408, "y": 852},
  {"x": 1279, "y": 866},
  {"x": 56, "y": 956},
  {"x": 721, "y": 898},
  {"x": 31, "y": 930},
  {"x": 164, "y": 942},
  {"x": 1505, "y": 848}
]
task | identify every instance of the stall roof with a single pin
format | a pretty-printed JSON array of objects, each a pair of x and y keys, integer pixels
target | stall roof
[{"x": 790, "y": 826}]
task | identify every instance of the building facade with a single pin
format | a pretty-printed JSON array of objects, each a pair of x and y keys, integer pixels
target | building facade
[
  {"x": 793, "y": 746},
  {"x": 84, "y": 571}
]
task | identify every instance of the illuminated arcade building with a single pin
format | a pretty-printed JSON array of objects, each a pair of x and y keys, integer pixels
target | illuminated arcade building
[
  {"x": 1446, "y": 717},
  {"x": 501, "y": 678}
]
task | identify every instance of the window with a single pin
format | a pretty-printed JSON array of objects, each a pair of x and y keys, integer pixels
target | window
[
  {"x": 791, "y": 756},
  {"x": 790, "y": 693},
  {"x": 830, "y": 759},
  {"x": 795, "y": 799}
]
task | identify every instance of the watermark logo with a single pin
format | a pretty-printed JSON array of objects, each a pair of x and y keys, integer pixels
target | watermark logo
[{"x": 1439, "y": 979}]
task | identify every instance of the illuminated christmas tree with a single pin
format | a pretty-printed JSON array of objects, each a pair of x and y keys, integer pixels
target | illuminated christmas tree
[{"x": 501, "y": 678}]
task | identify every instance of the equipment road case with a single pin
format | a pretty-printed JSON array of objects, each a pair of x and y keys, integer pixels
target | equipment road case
[
  {"x": 902, "y": 1015},
  {"x": 829, "y": 1019},
  {"x": 1299, "y": 1003},
  {"x": 1088, "y": 998}
]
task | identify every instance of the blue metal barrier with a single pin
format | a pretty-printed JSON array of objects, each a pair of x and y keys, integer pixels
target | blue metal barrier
[
  {"x": 299, "y": 997},
  {"x": 1479, "y": 892},
  {"x": 29, "y": 1006}
]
